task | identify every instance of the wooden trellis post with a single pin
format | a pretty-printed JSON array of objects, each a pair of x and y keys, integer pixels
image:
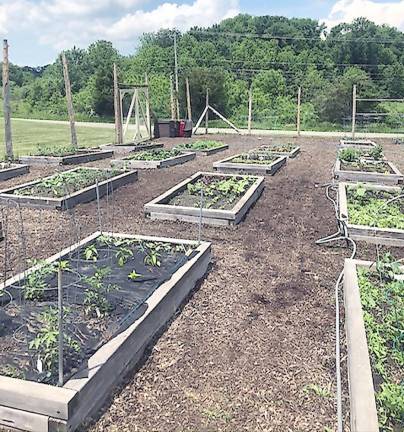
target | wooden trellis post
[
  {"x": 249, "y": 109},
  {"x": 188, "y": 99},
  {"x": 117, "y": 109},
  {"x": 207, "y": 112},
  {"x": 353, "y": 110},
  {"x": 6, "y": 104},
  {"x": 299, "y": 96},
  {"x": 69, "y": 100}
]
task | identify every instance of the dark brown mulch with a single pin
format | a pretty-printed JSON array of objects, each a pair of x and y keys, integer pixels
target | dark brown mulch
[{"x": 260, "y": 327}]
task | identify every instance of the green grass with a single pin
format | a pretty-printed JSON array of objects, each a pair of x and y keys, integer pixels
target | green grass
[{"x": 27, "y": 135}]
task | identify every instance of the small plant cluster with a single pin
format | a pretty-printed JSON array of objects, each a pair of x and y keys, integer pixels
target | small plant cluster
[
  {"x": 351, "y": 154},
  {"x": 48, "y": 150},
  {"x": 154, "y": 155},
  {"x": 61, "y": 184},
  {"x": 372, "y": 208},
  {"x": 35, "y": 283},
  {"x": 200, "y": 145},
  {"x": 46, "y": 342},
  {"x": 279, "y": 148},
  {"x": 383, "y": 312},
  {"x": 217, "y": 191},
  {"x": 255, "y": 157}
]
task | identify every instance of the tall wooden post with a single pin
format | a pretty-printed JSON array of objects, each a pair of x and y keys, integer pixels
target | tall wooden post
[
  {"x": 207, "y": 111},
  {"x": 353, "y": 110},
  {"x": 147, "y": 95},
  {"x": 188, "y": 99},
  {"x": 137, "y": 116},
  {"x": 69, "y": 100},
  {"x": 299, "y": 96},
  {"x": 177, "y": 104},
  {"x": 172, "y": 102},
  {"x": 117, "y": 109},
  {"x": 6, "y": 104},
  {"x": 249, "y": 109}
]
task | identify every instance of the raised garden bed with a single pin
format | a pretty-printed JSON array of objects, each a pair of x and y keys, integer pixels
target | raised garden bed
[
  {"x": 368, "y": 170},
  {"x": 133, "y": 147},
  {"x": 359, "y": 143},
  {"x": 290, "y": 150},
  {"x": 253, "y": 162},
  {"x": 153, "y": 159},
  {"x": 372, "y": 213},
  {"x": 67, "y": 189},
  {"x": 203, "y": 147},
  {"x": 9, "y": 170},
  {"x": 65, "y": 156},
  {"x": 374, "y": 323},
  {"x": 226, "y": 199},
  {"x": 118, "y": 291}
]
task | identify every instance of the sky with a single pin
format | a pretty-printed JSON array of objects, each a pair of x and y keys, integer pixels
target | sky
[{"x": 37, "y": 30}]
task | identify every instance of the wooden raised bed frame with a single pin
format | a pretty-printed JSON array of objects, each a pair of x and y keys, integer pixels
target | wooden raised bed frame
[
  {"x": 36, "y": 407},
  {"x": 359, "y": 144},
  {"x": 226, "y": 166},
  {"x": 150, "y": 164},
  {"x": 384, "y": 236},
  {"x": 13, "y": 170},
  {"x": 159, "y": 209},
  {"x": 68, "y": 201},
  {"x": 207, "y": 152},
  {"x": 363, "y": 412},
  {"x": 82, "y": 156},
  {"x": 369, "y": 177}
]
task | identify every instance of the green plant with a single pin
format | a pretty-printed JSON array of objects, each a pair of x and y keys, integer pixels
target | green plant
[
  {"x": 154, "y": 155},
  {"x": 12, "y": 372},
  {"x": 95, "y": 301},
  {"x": 122, "y": 255},
  {"x": 324, "y": 392},
  {"x": 35, "y": 282},
  {"x": 46, "y": 342},
  {"x": 91, "y": 253},
  {"x": 133, "y": 275},
  {"x": 200, "y": 145}
]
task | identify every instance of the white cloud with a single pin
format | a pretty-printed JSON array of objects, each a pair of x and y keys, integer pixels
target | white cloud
[
  {"x": 391, "y": 13},
  {"x": 63, "y": 23}
]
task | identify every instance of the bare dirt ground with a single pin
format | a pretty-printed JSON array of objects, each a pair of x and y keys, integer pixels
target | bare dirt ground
[{"x": 245, "y": 351}]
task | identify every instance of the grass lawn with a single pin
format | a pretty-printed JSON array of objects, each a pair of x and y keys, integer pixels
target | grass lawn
[{"x": 27, "y": 135}]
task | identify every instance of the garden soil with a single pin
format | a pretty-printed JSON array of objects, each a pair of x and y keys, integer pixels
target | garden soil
[{"x": 256, "y": 338}]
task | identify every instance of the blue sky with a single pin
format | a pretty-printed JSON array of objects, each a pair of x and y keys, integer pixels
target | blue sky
[{"x": 38, "y": 30}]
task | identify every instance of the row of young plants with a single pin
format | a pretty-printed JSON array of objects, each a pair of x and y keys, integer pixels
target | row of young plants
[
  {"x": 372, "y": 160},
  {"x": 382, "y": 299},
  {"x": 92, "y": 302},
  {"x": 154, "y": 155},
  {"x": 217, "y": 192},
  {"x": 64, "y": 183},
  {"x": 200, "y": 145}
]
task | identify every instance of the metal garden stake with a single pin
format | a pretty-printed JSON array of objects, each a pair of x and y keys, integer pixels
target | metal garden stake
[{"x": 60, "y": 327}]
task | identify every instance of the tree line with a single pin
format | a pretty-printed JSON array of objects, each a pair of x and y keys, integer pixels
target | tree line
[{"x": 272, "y": 55}]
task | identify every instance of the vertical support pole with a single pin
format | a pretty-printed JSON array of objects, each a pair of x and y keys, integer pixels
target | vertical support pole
[
  {"x": 97, "y": 191},
  {"x": 299, "y": 97},
  {"x": 60, "y": 327},
  {"x": 69, "y": 100},
  {"x": 188, "y": 99},
  {"x": 207, "y": 112},
  {"x": 173, "y": 116},
  {"x": 249, "y": 109},
  {"x": 137, "y": 117},
  {"x": 200, "y": 217},
  {"x": 148, "y": 117},
  {"x": 6, "y": 104},
  {"x": 177, "y": 104},
  {"x": 117, "y": 109},
  {"x": 353, "y": 110}
]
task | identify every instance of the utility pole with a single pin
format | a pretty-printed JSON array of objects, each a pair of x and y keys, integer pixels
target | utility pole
[
  {"x": 353, "y": 110},
  {"x": 176, "y": 76},
  {"x": 6, "y": 103},
  {"x": 299, "y": 95},
  {"x": 188, "y": 99},
  {"x": 172, "y": 101},
  {"x": 249, "y": 109},
  {"x": 147, "y": 94},
  {"x": 69, "y": 100},
  {"x": 117, "y": 109},
  {"x": 207, "y": 111}
]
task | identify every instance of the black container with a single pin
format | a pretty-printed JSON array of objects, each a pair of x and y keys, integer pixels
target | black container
[{"x": 166, "y": 128}]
